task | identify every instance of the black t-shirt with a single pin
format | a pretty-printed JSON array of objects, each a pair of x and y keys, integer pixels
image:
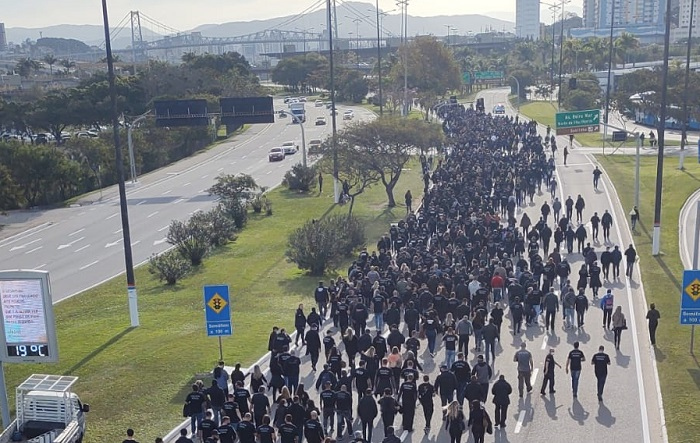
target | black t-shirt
[
  {"x": 206, "y": 427},
  {"x": 378, "y": 303},
  {"x": 313, "y": 430},
  {"x": 195, "y": 400},
  {"x": 242, "y": 395},
  {"x": 461, "y": 370},
  {"x": 260, "y": 403},
  {"x": 226, "y": 434},
  {"x": 288, "y": 432},
  {"x": 265, "y": 432},
  {"x": 230, "y": 408},
  {"x": 343, "y": 400},
  {"x": 327, "y": 399},
  {"x": 246, "y": 432},
  {"x": 450, "y": 342},
  {"x": 575, "y": 358},
  {"x": 600, "y": 362}
]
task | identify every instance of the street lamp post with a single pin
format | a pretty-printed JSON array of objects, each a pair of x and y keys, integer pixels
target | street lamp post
[
  {"x": 404, "y": 26},
  {"x": 684, "y": 131},
  {"x": 517, "y": 83},
  {"x": 336, "y": 181},
  {"x": 379, "y": 59},
  {"x": 132, "y": 158},
  {"x": 661, "y": 139},
  {"x": 610, "y": 61},
  {"x": 561, "y": 50},
  {"x": 303, "y": 138},
  {"x": 553, "y": 7},
  {"x": 128, "y": 258}
]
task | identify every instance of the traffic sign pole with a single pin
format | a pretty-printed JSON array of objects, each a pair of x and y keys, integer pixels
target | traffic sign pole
[{"x": 696, "y": 252}]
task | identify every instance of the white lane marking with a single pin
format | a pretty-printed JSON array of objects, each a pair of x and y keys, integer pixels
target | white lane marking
[
  {"x": 245, "y": 156},
  {"x": 109, "y": 245},
  {"x": 545, "y": 339},
  {"x": 233, "y": 163},
  {"x": 88, "y": 265},
  {"x": 68, "y": 245},
  {"x": 186, "y": 184},
  {"x": 135, "y": 243},
  {"x": 152, "y": 214},
  {"x": 14, "y": 248},
  {"x": 118, "y": 231},
  {"x": 141, "y": 202},
  {"x": 167, "y": 192},
  {"x": 205, "y": 176},
  {"x": 81, "y": 213},
  {"x": 34, "y": 250},
  {"x": 163, "y": 228},
  {"x": 112, "y": 216},
  {"x": 76, "y": 232},
  {"x": 203, "y": 191},
  {"x": 160, "y": 242},
  {"x": 635, "y": 340},
  {"x": 519, "y": 424},
  {"x": 40, "y": 266},
  {"x": 179, "y": 200},
  {"x": 220, "y": 169},
  {"x": 268, "y": 172},
  {"x": 82, "y": 248},
  {"x": 27, "y": 233},
  {"x": 249, "y": 168}
]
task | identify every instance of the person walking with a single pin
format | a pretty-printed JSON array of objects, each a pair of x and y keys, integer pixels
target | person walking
[
  {"x": 408, "y": 199},
  {"x": 501, "y": 391},
  {"x": 425, "y": 396},
  {"x": 630, "y": 257},
  {"x": 548, "y": 372},
  {"x": 408, "y": 396},
  {"x": 573, "y": 364},
  {"x": 490, "y": 334},
  {"x": 634, "y": 217},
  {"x": 600, "y": 362},
  {"x": 596, "y": 177},
  {"x": 581, "y": 306},
  {"x": 388, "y": 408},
  {"x": 606, "y": 221},
  {"x": 653, "y": 317},
  {"x": 619, "y": 323},
  {"x": 464, "y": 331},
  {"x": 551, "y": 307},
  {"x": 525, "y": 366},
  {"x": 483, "y": 373},
  {"x": 445, "y": 385},
  {"x": 580, "y": 206},
  {"x": 566, "y": 154},
  {"x": 479, "y": 422},
  {"x": 451, "y": 340},
  {"x": 300, "y": 325},
  {"x": 615, "y": 260},
  {"x": 367, "y": 411},
  {"x": 607, "y": 304},
  {"x": 454, "y": 422}
]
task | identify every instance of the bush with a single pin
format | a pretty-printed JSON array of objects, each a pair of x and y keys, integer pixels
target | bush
[
  {"x": 191, "y": 239},
  {"x": 222, "y": 229},
  {"x": 323, "y": 244},
  {"x": 169, "y": 266},
  {"x": 300, "y": 178},
  {"x": 236, "y": 210}
]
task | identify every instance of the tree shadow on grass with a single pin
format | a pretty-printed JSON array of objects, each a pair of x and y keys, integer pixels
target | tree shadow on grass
[
  {"x": 97, "y": 351},
  {"x": 303, "y": 284},
  {"x": 691, "y": 175}
]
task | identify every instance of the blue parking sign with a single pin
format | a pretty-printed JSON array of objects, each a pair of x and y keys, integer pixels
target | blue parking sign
[
  {"x": 217, "y": 310},
  {"x": 690, "y": 298}
]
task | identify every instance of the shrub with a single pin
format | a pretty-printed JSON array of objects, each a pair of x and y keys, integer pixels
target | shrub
[
  {"x": 191, "y": 239},
  {"x": 323, "y": 244},
  {"x": 222, "y": 228},
  {"x": 236, "y": 210},
  {"x": 169, "y": 266},
  {"x": 300, "y": 178}
]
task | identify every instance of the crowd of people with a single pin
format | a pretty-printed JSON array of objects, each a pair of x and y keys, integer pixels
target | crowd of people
[{"x": 444, "y": 278}]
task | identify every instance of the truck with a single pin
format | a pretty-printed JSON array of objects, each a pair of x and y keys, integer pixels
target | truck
[
  {"x": 48, "y": 411},
  {"x": 298, "y": 110}
]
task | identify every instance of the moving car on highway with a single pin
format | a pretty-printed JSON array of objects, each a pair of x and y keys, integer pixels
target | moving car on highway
[
  {"x": 290, "y": 148},
  {"x": 348, "y": 115},
  {"x": 499, "y": 109},
  {"x": 276, "y": 154},
  {"x": 320, "y": 121}
]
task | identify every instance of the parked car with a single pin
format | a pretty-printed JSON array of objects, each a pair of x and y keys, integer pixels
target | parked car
[
  {"x": 348, "y": 115},
  {"x": 276, "y": 154},
  {"x": 318, "y": 103},
  {"x": 320, "y": 121},
  {"x": 290, "y": 148}
]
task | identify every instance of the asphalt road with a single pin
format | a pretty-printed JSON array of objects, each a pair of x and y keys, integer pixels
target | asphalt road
[
  {"x": 82, "y": 246},
  {"x": 631, "y": 411}
]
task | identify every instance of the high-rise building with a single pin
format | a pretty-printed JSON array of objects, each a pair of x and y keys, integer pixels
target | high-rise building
[
  {"x": 527, "y": 19},
  {"x": 684, "y": 19},
  {"x": 589, "y": 16},
  {"x": 3, "y": 37}
]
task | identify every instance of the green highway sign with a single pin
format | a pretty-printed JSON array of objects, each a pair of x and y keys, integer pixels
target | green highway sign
[
  {"x": 578, "y": 122},
  {"x": 466, "y": 78},
  {"x": 488, "y": 75}
]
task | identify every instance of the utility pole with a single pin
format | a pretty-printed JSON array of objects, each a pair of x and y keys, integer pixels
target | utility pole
[
  {"x": 561, "y": 49},
  {"x": 379, "y": 59},
  {"x": 656, "y": 234},
  {"x": 684, "y": 131},
  {"x": 336, "y": 181},
  {"x": 610, "y": 61}
]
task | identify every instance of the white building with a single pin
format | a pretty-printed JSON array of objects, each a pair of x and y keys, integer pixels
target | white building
[
  {"x": 527, "y": 19},
  {"x": 681, "y": 33}
]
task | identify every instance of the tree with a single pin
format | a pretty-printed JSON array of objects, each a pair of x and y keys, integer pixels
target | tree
[
  {"x": 55, "y": 111},
  {"x": 67, "y": 65},
  {"x": 234, "y": 187},
  {"x": 50, "y": 60},
  {"x": 300, "y": 178},
  {"x": 625, "y": 44},
  {"x": 169, "y": 266},
  {"x": 190, "y": 238},
  {"x": 351, "y": 85},
  {"x": 301, "y": 71},
  {"x": 10, "y": 193},
  {"x": 384, "y": 146},
  {"x": 322, "y": 244},
  {"x": 26, "y": 66}
]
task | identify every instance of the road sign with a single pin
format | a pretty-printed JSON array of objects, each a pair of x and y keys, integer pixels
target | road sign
[
  {"x": 578, "y": 122},
  {"x": 466, "y": 78},
  {"x": 488, "y": 75},
  {"x": 690, "y": 298},
  {"x": 217, "y": 308}
]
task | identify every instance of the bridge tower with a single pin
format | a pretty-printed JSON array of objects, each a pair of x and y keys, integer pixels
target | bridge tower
[{"x": 138, "y": 46}]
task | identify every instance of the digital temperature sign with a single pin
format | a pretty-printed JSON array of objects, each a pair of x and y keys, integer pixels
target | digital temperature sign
[{"x": 27, "y": 329}]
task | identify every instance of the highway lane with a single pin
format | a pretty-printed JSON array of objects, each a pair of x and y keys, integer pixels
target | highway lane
[
  {"x": 630, "y": 412},
  {"x": 82, "y": 246}
]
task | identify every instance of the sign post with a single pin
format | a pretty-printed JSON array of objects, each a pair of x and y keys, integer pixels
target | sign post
[
  {"x": 217, "y": 309},
  {"x": 578, "y": 122}
]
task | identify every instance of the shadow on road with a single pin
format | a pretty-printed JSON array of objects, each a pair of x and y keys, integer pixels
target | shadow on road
[
  {"x": 604, "y": 416},
  {"x": 577, "y": 413}
]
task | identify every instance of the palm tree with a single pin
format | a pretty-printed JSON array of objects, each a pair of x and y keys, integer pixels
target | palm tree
[
  {"x": 67, "y": 65},
  {"x": 625, "y": 44},
  {"x": 50, "y": 60},
  {"x": 26, "y": 66}
]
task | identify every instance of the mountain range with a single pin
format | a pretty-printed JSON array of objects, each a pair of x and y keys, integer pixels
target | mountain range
[{"x": 353, "y": 18}]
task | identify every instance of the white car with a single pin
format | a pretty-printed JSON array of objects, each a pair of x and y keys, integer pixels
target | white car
[
  {"x": 499, "y": 109},
  {"x": 348, "y": 115},
  {"x": 290, "y": 148},
  {"x": 318, "y": 103},
  {"x": 276, "y": 154}
]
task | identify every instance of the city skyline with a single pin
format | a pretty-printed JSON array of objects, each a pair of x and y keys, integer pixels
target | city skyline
[{"x": 23, "y": 14}]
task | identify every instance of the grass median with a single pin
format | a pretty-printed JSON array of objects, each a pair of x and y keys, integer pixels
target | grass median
[
  {"x": 679, "y": 372},
  {"x": 139, "y": 377}
]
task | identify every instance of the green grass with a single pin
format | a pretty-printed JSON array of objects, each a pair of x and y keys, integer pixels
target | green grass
[
  {"x": 139, "y": 377},
  {"x": 679, "y": 372},
  {"x": 543, "y": 112}
]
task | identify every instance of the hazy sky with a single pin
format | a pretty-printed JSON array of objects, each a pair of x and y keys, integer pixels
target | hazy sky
[{"x": 187, "y": 14}]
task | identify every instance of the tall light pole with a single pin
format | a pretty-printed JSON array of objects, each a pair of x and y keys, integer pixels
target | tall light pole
[
  {"x": 379, "y": 58},
  {"x": 336, "y": 181},
  {"x": 553, "y": 7},
  {"x": 656, "y": 234},
  {"x": 128, "y": 258},
  {"x": 684, "y": 130},
  {"x": 610, "y": 61},
  {"x": 561, "y": 50},
  {"x": 404, "y": 38}
]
